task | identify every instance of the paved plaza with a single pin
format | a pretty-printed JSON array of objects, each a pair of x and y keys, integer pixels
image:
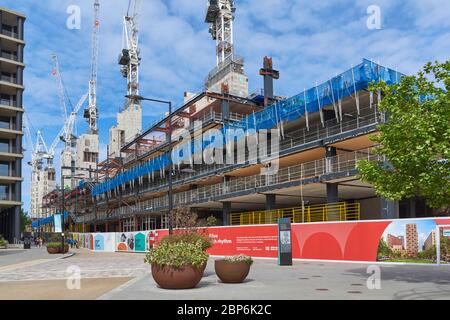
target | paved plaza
[{"x": 125, "y": 276}]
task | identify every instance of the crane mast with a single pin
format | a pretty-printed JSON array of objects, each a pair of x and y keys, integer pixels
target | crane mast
[
  {"x": 130, "y": 56},
  {"x": 91, "y": 113},
  {"x": 220, "y": 16}
]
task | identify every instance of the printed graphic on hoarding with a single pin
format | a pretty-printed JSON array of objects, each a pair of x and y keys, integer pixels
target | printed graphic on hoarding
[
  {"x": 409, "y": 241},
  {"x": 135, "y": 241},
  {"x": 139, "y": 242},
  {"x": 99, "y": 243}
]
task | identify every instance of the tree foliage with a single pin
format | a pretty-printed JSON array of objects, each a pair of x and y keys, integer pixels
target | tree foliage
[
  {"x": 24, "y": 220},
  {"x": 415, "y": 140}
]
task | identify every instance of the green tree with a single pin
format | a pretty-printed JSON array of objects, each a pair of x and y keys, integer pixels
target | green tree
[
  {"x": 383, "y": 250},
  {"x": 24, "y": 220},
  {"x": 415, "y": 140}
]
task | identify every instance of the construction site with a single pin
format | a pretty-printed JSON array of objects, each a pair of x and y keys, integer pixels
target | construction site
[{"x": 322, "y": 133}]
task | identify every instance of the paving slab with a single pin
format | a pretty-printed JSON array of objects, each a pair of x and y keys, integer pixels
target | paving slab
[{"x": 309, "y": 280}]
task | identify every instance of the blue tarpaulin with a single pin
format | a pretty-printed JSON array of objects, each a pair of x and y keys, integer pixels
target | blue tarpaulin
[{"x": 312, "y": 100}]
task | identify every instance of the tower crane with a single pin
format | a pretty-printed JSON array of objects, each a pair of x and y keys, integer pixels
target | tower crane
[
  {"x": 66, "y": 130},
  {"x": 130, "y": 58},
  {"x": 220, "y": 16},
  {"x": 91, "y": 113}
]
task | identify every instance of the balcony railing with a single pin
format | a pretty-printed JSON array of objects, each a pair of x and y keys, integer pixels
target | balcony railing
[
  {"x": 293, "y": 140},
  {"x": 341, "y": 164},
  {"x": 9, "y": 149},
  {"x": 9, "y": 56},
  {"x": 8, "y": 197},
  {"x": 10, "y": 79},
  {"x": 10, "y": 33},
  {"x": 7, "y": 102}
]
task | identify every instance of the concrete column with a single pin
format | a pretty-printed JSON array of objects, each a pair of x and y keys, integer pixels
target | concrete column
[
  {"x": 226, "y": 211},
  {"x": 412, "y": 207},
  {"x": 20, "y": 25},
  {"x": 332, "y": 192},
  {"x": 332, "y": 188},
  {"x": 225, "y": 109},
  {"x": 270, "y": 202}
]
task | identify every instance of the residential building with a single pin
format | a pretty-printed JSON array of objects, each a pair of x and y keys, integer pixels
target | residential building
[{"x": 12, "y": 46}]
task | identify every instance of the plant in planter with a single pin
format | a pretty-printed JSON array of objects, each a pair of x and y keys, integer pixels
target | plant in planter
[
  {"x": 3, "y": 243},
  {"x": 189, "y": 237},
  {"x": 177, "y": 265},
  {"x": 55, "y": 248},
  {"x": 233, "y": 269}
]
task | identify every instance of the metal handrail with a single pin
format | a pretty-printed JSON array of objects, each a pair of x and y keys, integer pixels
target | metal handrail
[{"x": 343, "y": 163}]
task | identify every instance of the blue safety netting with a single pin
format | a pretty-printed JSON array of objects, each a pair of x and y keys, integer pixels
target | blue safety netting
[
  {"x": 344, "y": 85},
  {"x": 47, "y": 221}
]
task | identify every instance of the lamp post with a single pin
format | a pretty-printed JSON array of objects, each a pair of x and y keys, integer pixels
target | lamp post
[
  {"x": 170, "y": 193},
  {"x": 63, "y": 205}
]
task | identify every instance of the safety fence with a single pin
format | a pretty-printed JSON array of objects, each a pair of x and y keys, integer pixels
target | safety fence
[{"x": 341, "y": 211}]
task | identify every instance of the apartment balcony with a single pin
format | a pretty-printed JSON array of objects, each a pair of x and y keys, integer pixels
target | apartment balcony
[
  {"x": 9, "y": 153},
  {"x": 10, "y": 176},
  {"x": 9, "y": 33},
  {"x": 9, "y": 130},
  {"x": 8, "y": 200}
]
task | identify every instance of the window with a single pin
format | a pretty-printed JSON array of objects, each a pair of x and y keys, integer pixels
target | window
[
  {"x": 148, "y": 223},
  {"x": 4, "y": 122},
  {"x": 4, "y": 168},
  {"x": 128, "y": 225},
  {"x": 4, "y": 145},
  {"x": 90, "y": 157},
  {"x": 4, "y": 192}
]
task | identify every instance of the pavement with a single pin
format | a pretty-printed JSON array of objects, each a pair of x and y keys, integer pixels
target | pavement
[
  {"x": 305, "y": 280},
  {"x": 125, "y": 276},
  {"x": 15, "y": 256}
]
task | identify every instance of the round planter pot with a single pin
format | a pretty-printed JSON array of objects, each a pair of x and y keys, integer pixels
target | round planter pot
[
  {"x": 231, "y": 272},
  {"x": 66, "y": 249},
  {"x": 53, "y": 250},
  {"x": 185, "y": 278}
]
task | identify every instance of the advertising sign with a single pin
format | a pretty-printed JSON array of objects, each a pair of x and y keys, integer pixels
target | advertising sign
[
  {"x": 57, "y": 223},
  {"x": 284, "y": 242}
]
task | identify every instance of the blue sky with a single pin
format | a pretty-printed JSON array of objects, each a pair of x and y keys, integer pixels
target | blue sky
[{"x": 310, "y": 41}]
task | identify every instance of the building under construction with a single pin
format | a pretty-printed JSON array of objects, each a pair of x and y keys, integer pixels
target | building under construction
[{"x": 322, "y": 133}]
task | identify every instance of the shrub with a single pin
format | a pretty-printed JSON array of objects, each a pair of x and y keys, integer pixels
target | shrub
[
  {"x": 177, "y": 255},
  {"x": 54, "y": 245},
  {"x": 240, "y": 258},
  {"x": 211, "y": 221},
  {"x": 54, "y": 237},
  {"x": 190, "y": 237}
]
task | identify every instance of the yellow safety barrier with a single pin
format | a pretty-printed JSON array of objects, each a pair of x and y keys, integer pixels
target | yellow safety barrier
[{"x": 341, "y": 211}]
